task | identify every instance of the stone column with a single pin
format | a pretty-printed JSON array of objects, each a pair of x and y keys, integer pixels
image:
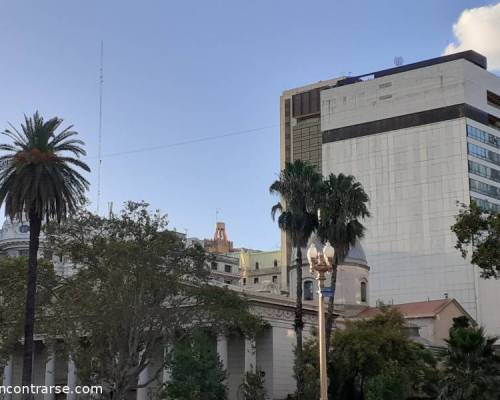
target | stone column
[
  {"x": 142, "y": 393},
  {"x": 50, "y": 372},
  {"x": 222, "y": 350},
  {"x": 250, "y": 355},
  {"x": 71, "y": 379},
  {"x": 166, "y": 370},
  {"x": 7, "y": 377}
]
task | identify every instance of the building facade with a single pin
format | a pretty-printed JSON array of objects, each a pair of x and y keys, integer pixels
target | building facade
[{"x": 420, "y": 138}]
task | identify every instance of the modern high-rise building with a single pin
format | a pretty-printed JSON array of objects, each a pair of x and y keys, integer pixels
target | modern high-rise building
[
  {"x": 300, "y": 138},
  {"x": 420, "y": 138}
]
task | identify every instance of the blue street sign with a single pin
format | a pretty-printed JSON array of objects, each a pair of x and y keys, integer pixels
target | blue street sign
[{"x": 327, "y": 292}]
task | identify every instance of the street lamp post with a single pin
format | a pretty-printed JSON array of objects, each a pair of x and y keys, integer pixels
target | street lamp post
[{"x": 321, "y": 264}]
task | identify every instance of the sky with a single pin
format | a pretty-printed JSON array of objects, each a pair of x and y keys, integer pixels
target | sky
[{"x": 178, "y": 72}]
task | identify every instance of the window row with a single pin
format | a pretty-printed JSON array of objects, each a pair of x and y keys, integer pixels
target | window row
[
  {"x": 484, "y": 188},
  {"x": 484, "y": 171},
  {"x": 482, "y": 136},
  {"x": 484, "y": 154},
  {"x": 227, "y": 268},
  {"x": 486, "y": 205},
  {"x": 256, "y": 280}
]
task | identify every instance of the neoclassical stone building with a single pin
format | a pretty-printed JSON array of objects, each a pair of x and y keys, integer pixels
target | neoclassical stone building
[{"x": 256, "y": 274}]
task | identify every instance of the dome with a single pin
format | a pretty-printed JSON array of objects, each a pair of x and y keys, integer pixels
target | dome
[{"x": 356, "y": 256}]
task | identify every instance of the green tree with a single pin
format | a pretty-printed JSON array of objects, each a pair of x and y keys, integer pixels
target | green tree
[
  {"x": 299, "y": 185},
  {"x": 38, "y": 181},
  {"x": 471, "y": 367},
  {"x": 13, "y": 272},
  {"x": 478, "y": 231},
  {"x": 343, "y": 205},
  {"x": 197, "y": 372},
  {"x": 373, "y": 359},
  {"x": 311, "y": 368},
  {"x": 137, "y": 286},
  {"x": 253, "y": 386}
]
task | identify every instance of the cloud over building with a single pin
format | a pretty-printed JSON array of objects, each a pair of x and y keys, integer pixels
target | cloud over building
[{"x": 479, "y": 29}]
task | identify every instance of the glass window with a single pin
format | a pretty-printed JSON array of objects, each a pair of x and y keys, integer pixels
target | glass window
[
  {"x": 482, "y": 136},
  {"x": 256, "y": 265},
  {"x": 275, "y": 279},
  {"x": 275, "y": 263},
  {"x": 255, "y": 280},
  {"x": 484, "y": 171},
  {"x": 486, "y": 205},
  {"x": 484, "y": 188},
  {"x": 363, "y": 292},
  {"x": 244, "y": 281},
  {"x": 227, "y": 268},
  {"x": 484, "y": 154},
  {"x": 308, "y": 290},
  {"x": 493, "y": 99}
]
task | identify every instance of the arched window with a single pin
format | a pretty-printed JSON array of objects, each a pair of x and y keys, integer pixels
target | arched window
[
  {"x": 308, "y": 290},
  {"x": 363, "y": 292}
]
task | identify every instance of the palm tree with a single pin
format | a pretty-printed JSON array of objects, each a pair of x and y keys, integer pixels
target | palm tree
[
  {"x": 298, "y": 185},
  {"x": 38, "y": 182},
  {"x": 343, "y": 204},
  {"x": 471, "y": 367}
]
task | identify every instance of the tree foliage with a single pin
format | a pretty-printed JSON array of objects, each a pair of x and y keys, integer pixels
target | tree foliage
[
  {"x": 298, "y": 185},
  {"x": 343, "y": 204},
  {"x": 39, "y": 179},
  {"x": 136, "y": 286},
  {"x": 478, "y": 232},
  {"x": 197, "y": 372},
  {"x": 13, "y": 272},
  {"x": 471, "y": 367},
  {"x": 373, "y": 359},
  {"x": 253, "y": 386}
]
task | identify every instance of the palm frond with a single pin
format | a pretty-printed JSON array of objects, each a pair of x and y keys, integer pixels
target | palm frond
[{"x": 37, "y": 174}]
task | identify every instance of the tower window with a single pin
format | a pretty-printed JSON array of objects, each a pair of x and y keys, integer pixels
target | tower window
[
  {"x": 493, "y": 99},
  {"x": 363, "y": 292},
  {"x": 308, "y": 290}
]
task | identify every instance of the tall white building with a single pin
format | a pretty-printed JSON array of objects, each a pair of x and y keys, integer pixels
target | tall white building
[{"x": 420, "y": 138}]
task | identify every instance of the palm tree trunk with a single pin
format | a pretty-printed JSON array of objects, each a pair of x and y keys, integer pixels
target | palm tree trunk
[
  {"x": 330, "y": 317},
  {"x": 29, "y": 320},
  {"x": 299, "y": 325}
]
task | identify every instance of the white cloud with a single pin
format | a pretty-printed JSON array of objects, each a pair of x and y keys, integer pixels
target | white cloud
[{"x": 479, "y": 29}]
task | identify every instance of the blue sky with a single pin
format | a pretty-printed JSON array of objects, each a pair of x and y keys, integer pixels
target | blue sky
[{"x": 182, "y": 70}]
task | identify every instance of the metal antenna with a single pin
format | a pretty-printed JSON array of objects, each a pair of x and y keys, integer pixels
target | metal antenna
[{"x": 99, "y": 144}]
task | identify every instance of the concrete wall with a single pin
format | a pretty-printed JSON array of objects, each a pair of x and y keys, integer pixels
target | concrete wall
[
  {"x": 414, "y": 178},
  {"x": 390, "y": 96},
  {"x": 236, "y": 364},
  {"x": 283, "y": 345},
  {"x": 265, "y": 359}
]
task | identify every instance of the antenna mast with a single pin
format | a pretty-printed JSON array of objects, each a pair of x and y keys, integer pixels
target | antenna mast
[{"x": 99, "y": 144}]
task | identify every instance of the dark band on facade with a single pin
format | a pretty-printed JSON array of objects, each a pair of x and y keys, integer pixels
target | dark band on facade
[{"x": 406, "y": 121}]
